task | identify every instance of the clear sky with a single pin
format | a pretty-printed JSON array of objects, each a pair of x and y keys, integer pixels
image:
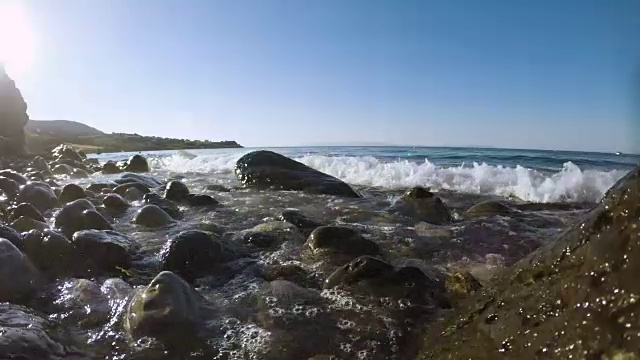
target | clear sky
[{"x": 508, "y": 73}]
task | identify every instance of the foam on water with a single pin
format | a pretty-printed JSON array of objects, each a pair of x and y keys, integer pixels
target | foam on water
[{"x": 569, "y": 184}]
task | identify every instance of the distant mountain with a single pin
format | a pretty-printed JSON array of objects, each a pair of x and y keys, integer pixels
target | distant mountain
[{"x": 61, "y": 128}]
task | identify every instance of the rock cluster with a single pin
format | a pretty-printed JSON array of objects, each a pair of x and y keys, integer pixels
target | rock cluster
[{"x": 13, "y": 117}]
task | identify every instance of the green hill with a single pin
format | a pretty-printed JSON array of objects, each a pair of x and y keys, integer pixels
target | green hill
[{"x": 44, "y": 135}]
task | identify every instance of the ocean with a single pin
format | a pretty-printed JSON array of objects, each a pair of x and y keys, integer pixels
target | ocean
[
  {"x": 530, "y": 175},
  {"x": 268, "y": 296}
]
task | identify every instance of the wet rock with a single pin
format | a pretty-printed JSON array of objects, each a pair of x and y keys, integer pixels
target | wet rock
[
  {"x": 24, "y": 223},
  {"x": 12, "y": 235},
  {"x": 152, "y": 216},
  {"x": 36, "y": 176},
  {"x": 283, "y": 231},
  {"x": 10, "y": 174},
  {"x": 110, "y": 168},
  {"x": 489, "y": 208},
  {"x": 260, "y": 240},
  {"x": 92, "y": 219},
  {"x": 122, "y": 188},
  {"x": 9, "y": 187},
  {"x": 176, "y": 191},
  {"x": 26, "y": 210},
  {"x": 191, "y": 254},
  {"x": 137, "y": 163},
  {"x": 575, "y": 297},
  {"x": 40, "y": 164},
  {"x": 269, "y": 170},
  {"x": 148, "y": 180},
  {"x": 13, "y": 117},
  {"x": 167, "y": 308},
  {"x": 50, "y": 251},
  {"x": 103, "y": 250},
  {"x": 74, "y": 164},
  {"x": 298, "y": 219},
  {"x": 66, "y": 152},
  {"x": 133, "y": 194},
  {"x": 19, "y": 279},
  {"x": 115, "y": 203},
  {"x": 82, "y": 302},
  {"x": 289, "y": 272},
  {"x": 288, "y": 294},
  {"x": 69, "y": 219},
  {"x": 200, "y": 200},
  {"x": 461, "y": 285},
  {"x": 98, "y": 187},
  {"x": 216, "y": 187},
  {"x": 71, "y": 192},
  {"x": 164, "y": 204},
  {"x": 422, "y": 205},
  {"x": 27, "y": 336},
  {"x": 38, "y": 194},
  {"x": 116, "y": 289},
  {"x": 343, "y": 240},
  {"x": 62, "y": 169},
  {"x": 361, "y": 268}
]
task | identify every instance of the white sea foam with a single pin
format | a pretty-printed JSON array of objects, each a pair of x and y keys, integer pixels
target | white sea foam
[{"x": 569, "y": 184}]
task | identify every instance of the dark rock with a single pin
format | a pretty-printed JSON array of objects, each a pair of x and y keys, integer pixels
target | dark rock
[
  {"x": 416, "y": 203},
  {"x": 200, "y": 200},
  {"x": 152, "y": 216},
  {"x": 341, "y": 240},
  {"x": 133, "y": 194},
  {"x": 70, "y": 218},
  {"x": 289, "y": 272},
  {"x": 92, "y": 219},
  {"x": 216, "y": 187},
  {"x": 168, "y": 308},
  {"x": 20, "y": 179},
  {"x": 137, "y": 163},
  {"x": 24, "y": 223},
  {"x": 576, "y": 297},
  {"x": 489, "y": 208},
  {"x": 98, "y": 187},
  {"x": 26, "y": 210},
  {"x": 73, "y": 163},
  {"x": 461, "y": 285},
  {"x": 35, "y": 176},
  {"x": 115, "y": 203},
  {"x": 260, "y": 240},
  {"x": 191, "y": 254},
  {"x": 110, "y": 168},
  {"x": 269, "y": 170},
  {"x": 18, "y": 277},
  {"x": 103, "y": 250},
  {"x": 298, "y": 219},
  {"x": 13, "y": 117},
  {"x": 12, "y": 235},
  {"x": 40, "y": 164},
  {"x": 71, "y": 192},
  {"x": 83, "y": 303},
  {"x": 9, "y": 187},
  {"x": 62, "y": 169},
  {"x": 122, "y": 188},
  {"x": 361, "y": 268},
  {"x": 176, "y": 191},
  {"x": 49, "y": 250},
  {"x": 28, "y": 336},
  {"x": 164, "y": 204},
  {"x": 66, "y": 152}
]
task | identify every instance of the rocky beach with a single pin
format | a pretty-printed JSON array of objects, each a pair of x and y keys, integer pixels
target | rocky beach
[{"x": 274, "y": 259}]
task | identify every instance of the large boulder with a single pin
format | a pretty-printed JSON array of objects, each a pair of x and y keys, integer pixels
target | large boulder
[
  {"x": 152, "y": 216},
  {"x": 17, "y": 177},
  {"x": 269, "y": 170},
  {"x": 66, "y": 152},
  {"x": 18, "y": 277},
  {"x": 167, "y": 308},
  {"x": 176, "y": 191},
  {"x": 26, "y": 210},
  {"x": 574, "y": 298},
  {"x": 103, "y": 250},
  {"x": 13, "y": 117},
  {"x": 341, "y": 239},
  {"x": 79, "y": 215},
  {"x": 12, "y": 235},
  {"x": 137, "y": 163},
  {"x": 9, "y": 187},
  {"x": 49, "y": 250},
  {"x": 71, "y": 192},
  {"x": 421, "y": 204}
]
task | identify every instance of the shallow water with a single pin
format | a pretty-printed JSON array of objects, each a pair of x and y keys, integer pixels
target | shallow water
[{"x": 252, "y": 318}]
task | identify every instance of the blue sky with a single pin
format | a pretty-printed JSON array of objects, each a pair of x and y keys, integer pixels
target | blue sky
[{"x": 524, "y": 74}]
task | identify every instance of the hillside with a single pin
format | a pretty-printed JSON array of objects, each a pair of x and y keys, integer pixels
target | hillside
[
  {"x": 44, "y": 135},
  {"x": 61, "y": 128}
]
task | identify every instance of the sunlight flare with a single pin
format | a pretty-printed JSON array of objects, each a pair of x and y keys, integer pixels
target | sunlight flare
[{"x": 16, "y": 37}]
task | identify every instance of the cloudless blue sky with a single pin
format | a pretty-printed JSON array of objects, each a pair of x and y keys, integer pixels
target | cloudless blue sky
[{"x": 507, "y": 73}]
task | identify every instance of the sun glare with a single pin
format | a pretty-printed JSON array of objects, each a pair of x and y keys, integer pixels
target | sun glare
[{"x": 16, "y": 38}]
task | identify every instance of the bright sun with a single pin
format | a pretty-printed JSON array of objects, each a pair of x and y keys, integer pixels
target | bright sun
[{"x": 16, "y": 38}]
